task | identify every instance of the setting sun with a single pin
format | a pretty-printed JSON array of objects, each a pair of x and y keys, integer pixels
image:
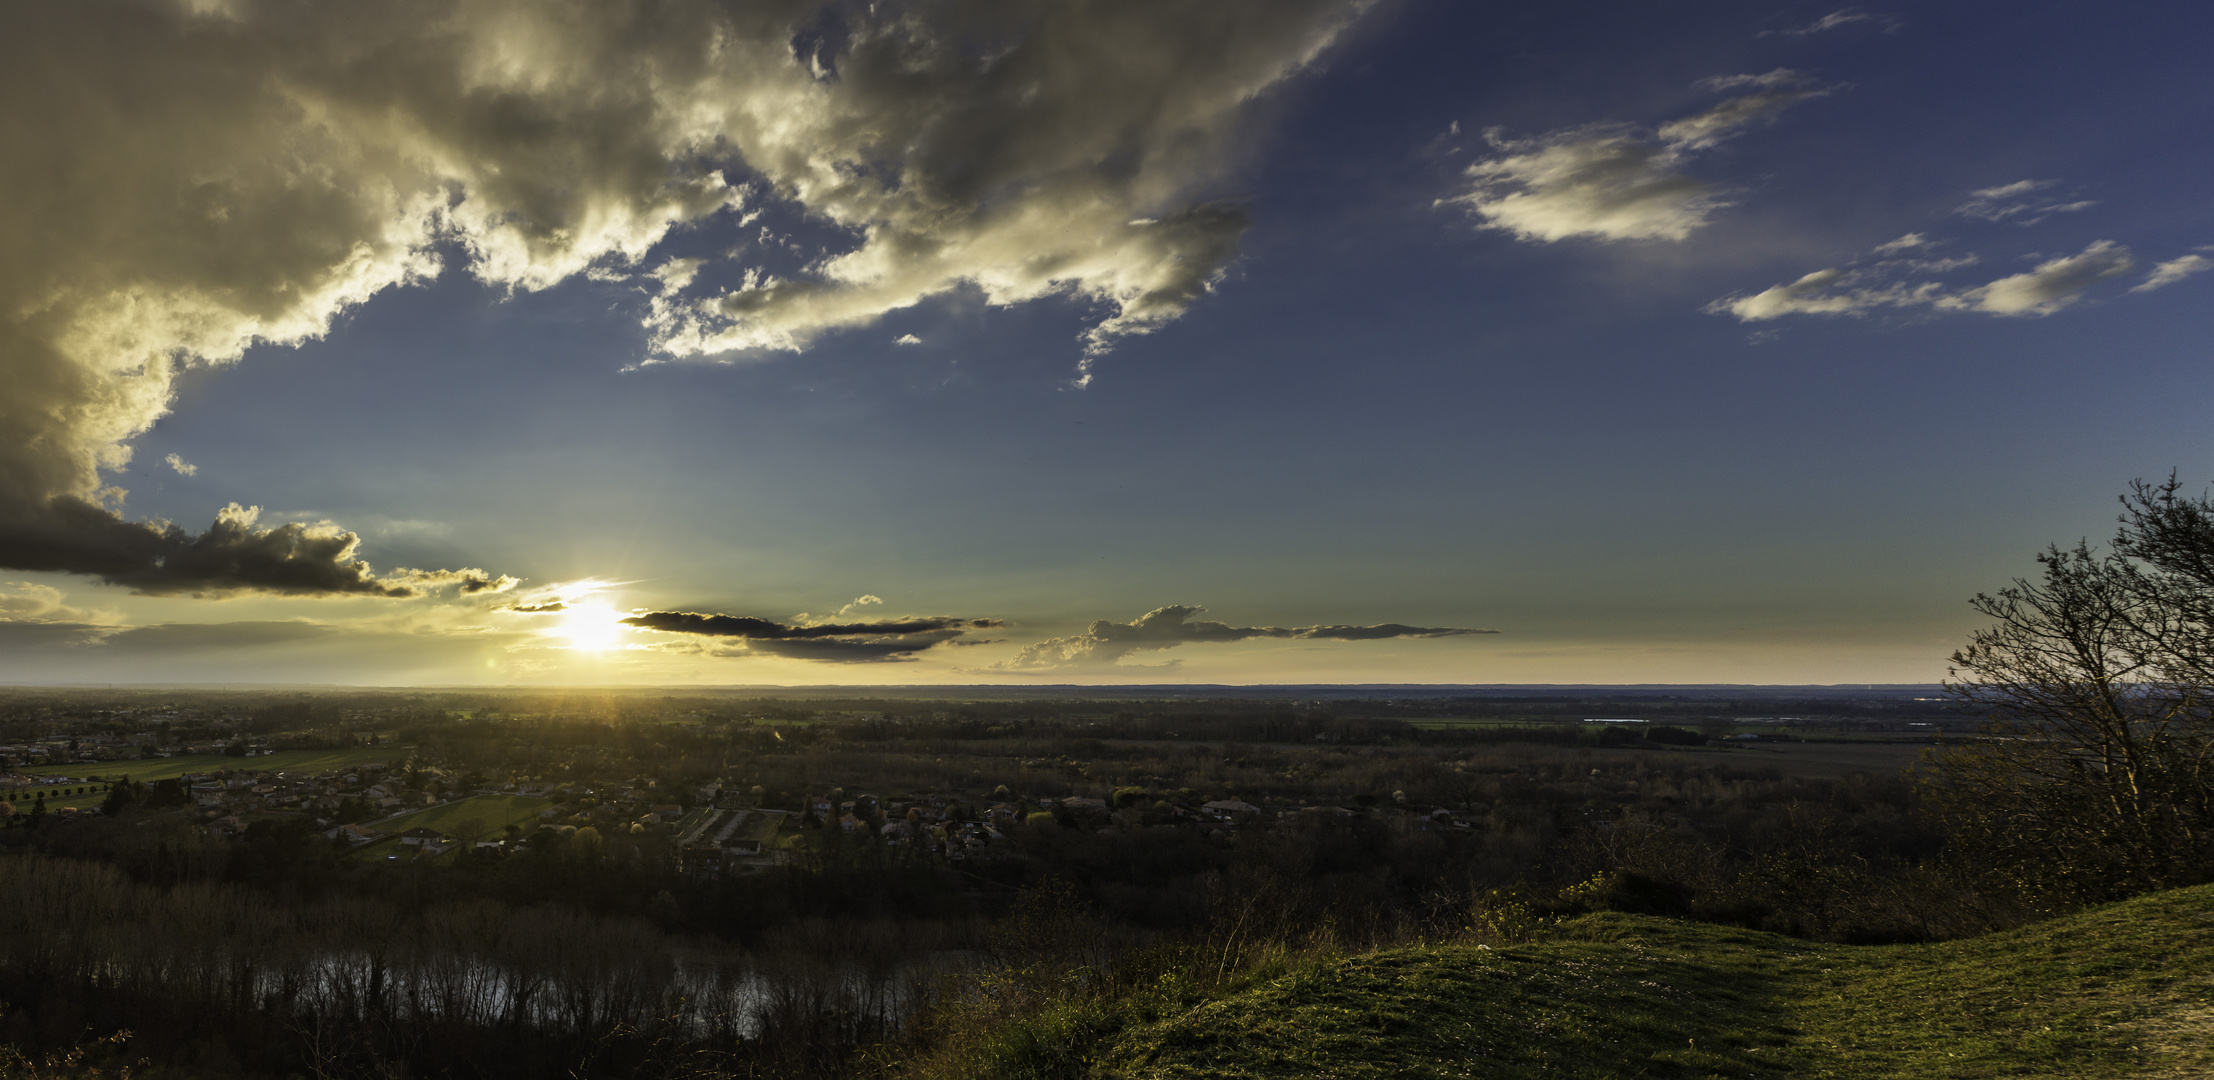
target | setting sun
[{"x": 591, "y": 627}]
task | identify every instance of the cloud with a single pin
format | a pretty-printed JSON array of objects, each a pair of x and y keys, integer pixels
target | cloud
[
  {"x": 2172, "y": 271},
  {"x": 177, "y": 637},
  {"x": 540, "y": 609},
  {"x": 1106, "y": 642},
  {"x": 1615, "y": 181},
  {"x": 182, "y": 467},
  {"x": 1824, "y": 292},
  {"x": 907, "y": 339},
  {"x": 2018, "y": 202},
  {"x": 856, "y": 604},
  {"x": 234, "y": 555},
  {"x": 844, "y": 642},
  {"x": 1909, "y": 242},
  {"x": 2054, "y": 284},
  {"x": 23, "y": 601},
  {"x": 1843, "y": 17},
  {"x": 196, "y": 178}
]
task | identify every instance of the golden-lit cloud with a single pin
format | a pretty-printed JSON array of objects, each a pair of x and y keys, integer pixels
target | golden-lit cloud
[
  {"x": 1617, "y": 181},
  {"x": 188, "y": 179},
  {"x": 2052, "y": 285}
]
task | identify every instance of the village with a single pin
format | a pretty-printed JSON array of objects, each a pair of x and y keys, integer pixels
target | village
[{"x": 411, "y": 811}]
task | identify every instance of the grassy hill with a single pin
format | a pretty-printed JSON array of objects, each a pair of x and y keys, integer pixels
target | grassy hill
[{"x": 2123, "y": 990}]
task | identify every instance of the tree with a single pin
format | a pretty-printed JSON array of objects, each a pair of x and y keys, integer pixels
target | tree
[
  {"x": 2095, "y": 775},
  {"x": 120, "y": 796}
]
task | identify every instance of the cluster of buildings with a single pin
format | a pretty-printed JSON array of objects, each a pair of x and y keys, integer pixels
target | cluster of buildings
[{"x": 723, "y": 842}]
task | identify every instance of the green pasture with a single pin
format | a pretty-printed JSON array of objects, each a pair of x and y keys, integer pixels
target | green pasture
[
  {"x": 1450, "y": 723},
  {"x": 152, "y": 769},
  {"x": 91, "y": 794},
  {"x": 478, "y": 817}
]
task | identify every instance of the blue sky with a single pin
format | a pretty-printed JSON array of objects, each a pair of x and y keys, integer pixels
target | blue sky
[{"x": 1674, "y": 343}]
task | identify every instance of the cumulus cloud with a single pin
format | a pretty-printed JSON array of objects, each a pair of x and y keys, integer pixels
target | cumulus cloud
[
  {"x": 1616, "y": 181},
  {"x": 2052, "y": 285},
  {"x": 188, "y": 179},
  {"x": 182, "y": 467},
  {"x": 1106, "y": 642},
  {"x": 907, "y": 339},
  {"x": 844, "y": 642},
  {"x": 2019, "y": 202},
  {"x": 2172, "y": 271}
]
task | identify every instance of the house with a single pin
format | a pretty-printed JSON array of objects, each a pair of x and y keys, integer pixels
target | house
[
  {"x": 430, "y": 840},
  {"x": 356, "y": 835}
]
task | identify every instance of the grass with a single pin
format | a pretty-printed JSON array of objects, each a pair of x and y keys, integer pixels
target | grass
[
  {"x": 311, "y": 761},
  {"x": 25, "y": 798},
  {"x": 2125, "y": 990},
  {"x": 473, "y": 818}
]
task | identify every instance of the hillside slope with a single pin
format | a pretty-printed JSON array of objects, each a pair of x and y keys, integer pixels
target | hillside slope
[{"x": 2123, "y": 990}]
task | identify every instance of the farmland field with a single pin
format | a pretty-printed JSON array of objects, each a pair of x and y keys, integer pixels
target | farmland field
[
  {"x": 152, "y": 769},
  {"x": 94, "y": 795},
  {"x": 474, "y": 818},
  {"x": 1827, "y": 761}
]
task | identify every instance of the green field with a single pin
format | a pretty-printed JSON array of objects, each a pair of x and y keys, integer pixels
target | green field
[
  {"x": 308, "y": 761},
  {"x": 477, "y": 817},
  {"x": 25, "y": 798},
  {"x": 2121, "y": 991}
]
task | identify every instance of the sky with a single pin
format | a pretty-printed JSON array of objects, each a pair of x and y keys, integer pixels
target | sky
[{"x": 531, "y": 342}]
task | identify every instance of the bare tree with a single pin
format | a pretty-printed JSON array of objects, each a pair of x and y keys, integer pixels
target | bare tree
[{"x": 2093, "y": 779}]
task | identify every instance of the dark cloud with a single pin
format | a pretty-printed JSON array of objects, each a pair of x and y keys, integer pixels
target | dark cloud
[
  {"x": 158, "y": 558},
  {"x": 540, "y": 609},
  {"x": 1106, "y": 642},
  {"x": 874, "y": 641},
  {"x": 475, "y": 582},
  {"x": 856, "y": 650},
  {"x": 1383, "y": 630},
  {"x": 746, "y": 626}
]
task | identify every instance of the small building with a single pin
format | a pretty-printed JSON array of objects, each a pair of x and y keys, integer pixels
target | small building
[
  {"x": 356, "y": 835},
  {"x": 723, "y": 841}
]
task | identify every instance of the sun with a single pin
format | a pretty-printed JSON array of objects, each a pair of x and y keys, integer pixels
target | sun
[{"x": 591, "y": 627}]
